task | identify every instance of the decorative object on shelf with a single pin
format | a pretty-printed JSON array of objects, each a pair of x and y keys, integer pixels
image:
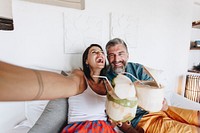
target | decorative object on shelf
[
  {"x": 195, "y": 45},
  {"x": 192, "y": 89},
  {"x": 197, "y": 67},
  {"x": 196, "y": 24}
]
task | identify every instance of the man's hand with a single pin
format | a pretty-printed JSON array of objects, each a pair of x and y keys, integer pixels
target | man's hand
[{"x": 126, "y": 127}]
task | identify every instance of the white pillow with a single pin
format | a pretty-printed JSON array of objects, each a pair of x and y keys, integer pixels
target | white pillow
[{"x": 33, "y": 110}]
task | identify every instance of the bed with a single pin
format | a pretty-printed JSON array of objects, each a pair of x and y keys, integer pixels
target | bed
[{"x": 50, "y": 116}]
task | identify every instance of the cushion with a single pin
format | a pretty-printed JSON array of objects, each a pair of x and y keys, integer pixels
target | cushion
[
  {"x": 53, "y": 119},
  {"x": 33, "y": 110}
]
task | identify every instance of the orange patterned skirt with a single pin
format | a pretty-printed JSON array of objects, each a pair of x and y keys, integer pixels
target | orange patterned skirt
[{"x": 97, "y": 126}]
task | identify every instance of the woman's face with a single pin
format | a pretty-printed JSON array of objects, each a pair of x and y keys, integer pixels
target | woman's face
[{"x": 96, "y": 58}]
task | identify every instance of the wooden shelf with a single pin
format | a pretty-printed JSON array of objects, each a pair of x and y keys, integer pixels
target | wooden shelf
[
  {"x": 195, "y": 48},
  {"x": 194, "y": 71}
]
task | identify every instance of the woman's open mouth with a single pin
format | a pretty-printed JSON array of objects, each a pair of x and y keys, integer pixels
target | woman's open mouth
[{"x": 100, "y": 60}]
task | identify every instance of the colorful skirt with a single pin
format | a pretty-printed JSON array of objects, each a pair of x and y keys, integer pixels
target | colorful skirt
[{"x": 97, "y": 126}]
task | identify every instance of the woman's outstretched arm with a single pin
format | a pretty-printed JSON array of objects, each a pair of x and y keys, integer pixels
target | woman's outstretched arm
[{"x": 19, "y": 83}]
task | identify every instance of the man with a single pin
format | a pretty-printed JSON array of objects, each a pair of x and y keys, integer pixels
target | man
[{"x": 170, "y": 119}]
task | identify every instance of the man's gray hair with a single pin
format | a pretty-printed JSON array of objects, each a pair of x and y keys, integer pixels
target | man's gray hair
[{"x": 114, "y": 42}]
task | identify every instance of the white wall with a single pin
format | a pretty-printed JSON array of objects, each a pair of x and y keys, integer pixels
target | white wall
[
  {"x": 194, "y": 55},
  {"x": 163, "y": 40}
]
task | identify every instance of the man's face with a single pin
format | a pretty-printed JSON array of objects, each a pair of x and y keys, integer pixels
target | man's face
[{"x": 117, "y": 57}]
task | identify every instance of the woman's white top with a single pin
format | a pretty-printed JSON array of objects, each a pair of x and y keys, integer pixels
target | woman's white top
[{"x": 86, "y": 106}]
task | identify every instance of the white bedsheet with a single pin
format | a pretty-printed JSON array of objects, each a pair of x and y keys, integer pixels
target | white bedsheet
[{"x": 22, "y": 129}]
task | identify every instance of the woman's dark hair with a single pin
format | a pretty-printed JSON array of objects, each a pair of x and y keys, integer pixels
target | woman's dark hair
[{"x": 86, "y": 68}]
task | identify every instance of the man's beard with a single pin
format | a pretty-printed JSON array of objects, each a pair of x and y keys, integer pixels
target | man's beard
[{"x": 118, "y": 70}]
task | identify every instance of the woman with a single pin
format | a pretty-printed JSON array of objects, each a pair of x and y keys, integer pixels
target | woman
[{"x": 86, "y": 94}]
